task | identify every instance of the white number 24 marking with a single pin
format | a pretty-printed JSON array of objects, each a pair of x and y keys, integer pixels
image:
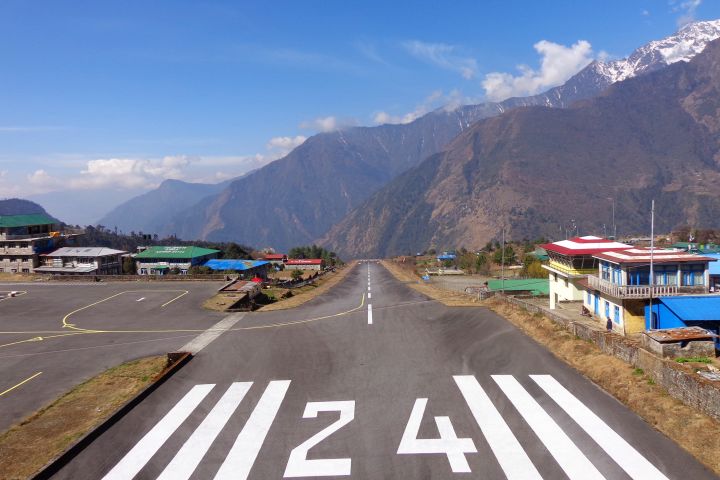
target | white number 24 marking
[
  {"x": 455, "y": 448},
  {"x": 299, "y": 466}
]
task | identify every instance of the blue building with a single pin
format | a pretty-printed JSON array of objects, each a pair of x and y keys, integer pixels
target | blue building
[
  {"x": 685, "y": 311},
  {"x": 714, "y": 272},
  {"x": 246, "y": 268},
  {"x": 446, "y": 256}
]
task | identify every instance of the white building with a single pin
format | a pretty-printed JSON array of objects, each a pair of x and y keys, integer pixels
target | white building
[
  {"x": 571, "y": 261},
  {"x": 82, "y": 261}
]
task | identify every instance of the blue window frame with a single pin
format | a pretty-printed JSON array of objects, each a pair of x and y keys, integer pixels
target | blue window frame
[
  {"x": 616, "y": 318},
  {"x": 607, "y": 308}
]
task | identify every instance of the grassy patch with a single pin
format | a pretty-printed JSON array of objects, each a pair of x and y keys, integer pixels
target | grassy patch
[
  {"x": 693, "y": 360},
  {"x": 638, "y": 371},
  {"x": 28, "y": 446}
]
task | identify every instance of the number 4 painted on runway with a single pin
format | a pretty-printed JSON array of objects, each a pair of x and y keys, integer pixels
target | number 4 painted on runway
[{"x": 455, "y": 448}]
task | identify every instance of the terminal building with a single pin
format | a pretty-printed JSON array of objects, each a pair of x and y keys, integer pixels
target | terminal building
[
  {"x": 23, "y": 238},
  {"x": 160, "y": 260},
  {"x": 82, "y": 261}
]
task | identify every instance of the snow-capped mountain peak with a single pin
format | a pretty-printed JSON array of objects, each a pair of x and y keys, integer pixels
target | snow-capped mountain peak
[{"x": 681, "y": 46}]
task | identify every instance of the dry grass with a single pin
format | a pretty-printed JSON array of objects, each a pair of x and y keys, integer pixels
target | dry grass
[
  {"x": 28, "y": 446},
  {"x": 696, "y": 432},
  {"x": 405, "y": 272},
  {"x": 221, "y": 301},
  {"x": 307, "y": 293}
]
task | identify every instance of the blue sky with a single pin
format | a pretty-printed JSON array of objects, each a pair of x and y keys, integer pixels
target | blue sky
[{"x": 119, "y": 95}]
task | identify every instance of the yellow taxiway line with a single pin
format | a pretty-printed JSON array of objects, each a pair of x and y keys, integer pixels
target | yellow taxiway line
[
  {"x": 19, "y": 384},
  {"x": 81, "y": 331}
]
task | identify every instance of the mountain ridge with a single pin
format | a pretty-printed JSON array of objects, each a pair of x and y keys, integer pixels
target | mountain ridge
[{"x": 535, "y": 170}]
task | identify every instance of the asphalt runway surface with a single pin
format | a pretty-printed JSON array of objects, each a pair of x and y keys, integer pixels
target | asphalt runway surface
[
  {"x": 54, "y": 336},
  {"x": 374, "y": 381}
]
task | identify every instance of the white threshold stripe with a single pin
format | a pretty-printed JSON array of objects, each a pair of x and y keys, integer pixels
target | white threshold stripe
[
  {"x": 573, "y": 462},
  {"x": 143, "y": 451},
  {"x": 192, "y": 452},
  {"x": 370, "y": 314},
  {"x": 629, "y": 459},
  {"x": 369, "y": 295},
  {"x": 510, "y": 455},
  {"x": 244, "y": 451}
]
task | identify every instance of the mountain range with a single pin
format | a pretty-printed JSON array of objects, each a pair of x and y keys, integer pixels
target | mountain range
[
  {"x": 300, "y": 197},
  {"x": 534, "y": 171}
]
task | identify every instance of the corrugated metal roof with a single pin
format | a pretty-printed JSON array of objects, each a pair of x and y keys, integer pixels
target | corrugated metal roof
[
  {"x": 230, "y": 264},
  {"x": 694, "y": 307},
  {"x": 12, "y": 221},
  {"x": 83, "y": 252},
  {"x": 537, "y": 286},
  {"x": 175, "y": 252}
]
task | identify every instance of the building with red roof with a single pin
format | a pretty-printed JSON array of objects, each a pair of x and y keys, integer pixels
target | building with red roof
[
  {"x": 572, "y": 260},
  {"x": 276, "y": 258},
  {"x": 304, "y": 264}
]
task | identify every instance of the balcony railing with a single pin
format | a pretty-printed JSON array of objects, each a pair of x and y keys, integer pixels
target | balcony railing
[{"x": 641, "y": 291}]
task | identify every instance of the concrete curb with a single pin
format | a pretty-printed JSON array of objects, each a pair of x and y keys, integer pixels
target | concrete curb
[{"x": 178, "y": 359}]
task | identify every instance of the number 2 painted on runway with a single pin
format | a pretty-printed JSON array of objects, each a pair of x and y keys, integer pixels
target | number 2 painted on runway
[{"x": 298, "y": 464}]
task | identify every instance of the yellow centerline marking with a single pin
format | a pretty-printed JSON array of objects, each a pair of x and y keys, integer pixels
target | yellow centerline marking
[
  {"x": 80, "y": 331},
  {"x": 19, "y": 384},
  {"x": 181, "y": 295},
  {"x": 72, "y": 326},
  {"x": 39, "y": 339}
]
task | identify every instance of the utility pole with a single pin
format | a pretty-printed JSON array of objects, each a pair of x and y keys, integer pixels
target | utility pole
[
  {"x": 502, "y": 264},
  {"x": 652, "y": 254},
  {"x": 613, "y": 219}
]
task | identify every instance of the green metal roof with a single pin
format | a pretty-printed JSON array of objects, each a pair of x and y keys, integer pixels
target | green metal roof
[
  {"x": 537, "y": 286},
  {"x": 12, "y": 221},
  {"x": 175, "y": 252}
]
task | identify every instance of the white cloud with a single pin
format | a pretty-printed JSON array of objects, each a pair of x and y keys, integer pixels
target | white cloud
[
  {"x": 686, "y": 9},
  {"x": 645, "y": 13},
  {"x": 558, "y": 63},
  {"x": 118, "y": 173},
  {"x": 285, "y": 144},
  {"x": 328, "y": 124},
  {"x": 442, "y": 55},
  {"x": 435, "y": 100},
  {"x": 323, "y": 124}
]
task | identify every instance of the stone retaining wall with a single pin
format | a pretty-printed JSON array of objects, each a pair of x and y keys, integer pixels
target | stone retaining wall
[{"x": 687, "y": 387}]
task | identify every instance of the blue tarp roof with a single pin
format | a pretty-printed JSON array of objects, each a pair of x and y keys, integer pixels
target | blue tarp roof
[
  {"x": 694, "y": 308},
  {"x": 714, "y": 267},
  {"x": 239, "y": 265}
]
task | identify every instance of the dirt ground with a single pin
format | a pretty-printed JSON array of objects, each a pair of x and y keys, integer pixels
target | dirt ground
[
  {"x": 694, "y": 431},
  {"x": 31, "y": 444}
]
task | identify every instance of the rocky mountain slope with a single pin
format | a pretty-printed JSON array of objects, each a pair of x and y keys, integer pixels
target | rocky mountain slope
[
  {"x": 296, "y": 199},
  {"x": 535, "y": 170}
]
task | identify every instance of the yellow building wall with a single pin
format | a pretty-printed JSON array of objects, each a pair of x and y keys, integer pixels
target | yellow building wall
[{"x": 634, "y": 316}]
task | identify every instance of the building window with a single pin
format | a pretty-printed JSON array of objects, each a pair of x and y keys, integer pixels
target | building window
[
  {"x": 566, "y": 283},
  {"x": 605, "y": 271},
  {"x": 693, "y": 275},
  {"x": 616, "y": 318},
  {"x": 607, "y": 309}
]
